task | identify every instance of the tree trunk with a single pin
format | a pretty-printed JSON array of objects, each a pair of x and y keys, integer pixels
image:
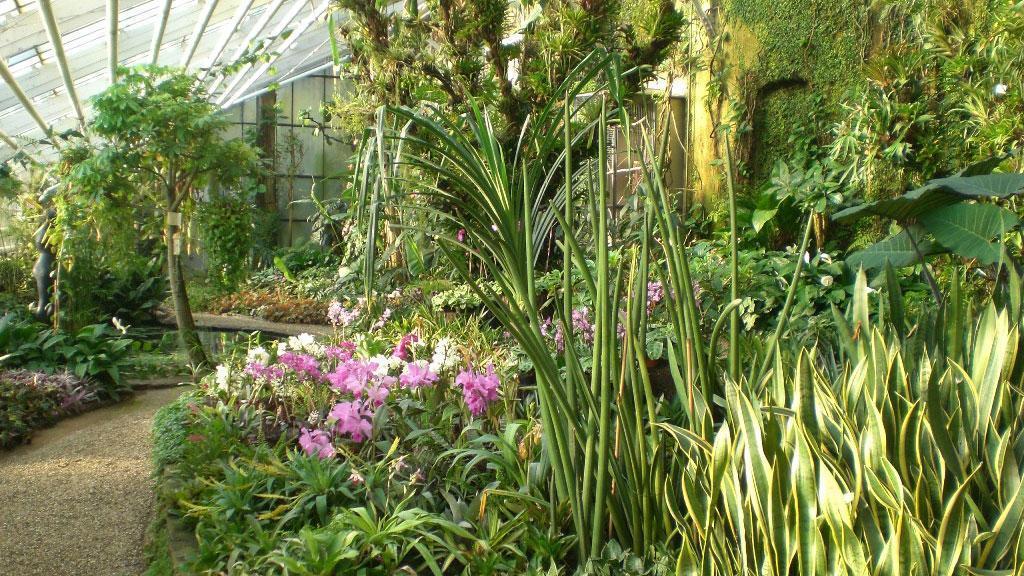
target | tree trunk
[
  {"x": 179, "y": 296},
  {"x": 267, "y": 143}
]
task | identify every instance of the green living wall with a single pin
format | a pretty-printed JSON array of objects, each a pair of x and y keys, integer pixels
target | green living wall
[{"x": 794, "y": 60}]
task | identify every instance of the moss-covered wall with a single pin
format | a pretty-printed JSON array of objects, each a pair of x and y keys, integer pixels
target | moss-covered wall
[{"x": 805, "y": 55}]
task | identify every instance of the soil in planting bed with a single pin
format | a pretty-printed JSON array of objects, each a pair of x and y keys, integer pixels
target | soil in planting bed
[{"x": 78, "y": 499}]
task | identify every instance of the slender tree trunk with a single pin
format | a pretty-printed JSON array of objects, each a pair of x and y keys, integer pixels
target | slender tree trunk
[{"x": 179, "y": 296}]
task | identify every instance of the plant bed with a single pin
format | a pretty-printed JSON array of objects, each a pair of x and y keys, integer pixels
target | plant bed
[{"x": 30, "y": 401}]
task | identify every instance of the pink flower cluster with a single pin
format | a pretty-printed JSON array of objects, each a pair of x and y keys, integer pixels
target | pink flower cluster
[
  {"x": 655, "y": 294},
  {"x": 304, "y": 365},
  {"x": 581, "y": 323},
  {"x": 260, "y": 371},
  {"x": 342, "y": 352},
  {"x": 478, "y": 389},
  {"x": 353, "y": 419},
  {"x": 338, "y": 315},
  {"x": 404, "y": 348},
  {"x": 417, "y": 375},
  {"x": 316, "y": 443},
  {"x": 549, "y": 329}
]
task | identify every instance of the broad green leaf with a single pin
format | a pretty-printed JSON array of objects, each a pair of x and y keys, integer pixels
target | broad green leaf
[
  {"x": 983, "y": 186},
  {"x": 968, "y": 229},
  {"x": 761, "y": 217},
  {"x": 937, "y": 194},
  {"x": 898, "y": 250}
]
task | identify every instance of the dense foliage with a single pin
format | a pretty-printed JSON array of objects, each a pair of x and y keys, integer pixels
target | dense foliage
[
  {"x": 844, "y": 435},
  {"x": 95, "y": 352},
  {"x": 33, "y": 400},
  {"x": 160, "y": 144}
]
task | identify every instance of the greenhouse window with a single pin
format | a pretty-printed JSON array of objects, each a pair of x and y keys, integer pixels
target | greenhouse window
[
  {"x": 9, "y": 8},
  {"x": 25, "y": 61}
]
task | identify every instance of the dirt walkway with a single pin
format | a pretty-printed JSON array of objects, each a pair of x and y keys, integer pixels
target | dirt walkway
[{"x": 78, "y": 499}]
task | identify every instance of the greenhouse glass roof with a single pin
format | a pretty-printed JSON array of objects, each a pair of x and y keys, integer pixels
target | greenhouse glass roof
[{"x": 55, "y": 54}]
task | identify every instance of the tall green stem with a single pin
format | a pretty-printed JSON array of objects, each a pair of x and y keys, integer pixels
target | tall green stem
[
  {"x": 734, "y": 316},
  {"x": 603, "y": 318},
  {"x": 780, "y": 327}
]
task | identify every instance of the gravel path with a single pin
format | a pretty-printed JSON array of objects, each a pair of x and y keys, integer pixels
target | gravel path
[{"x": 78, "y": 499}]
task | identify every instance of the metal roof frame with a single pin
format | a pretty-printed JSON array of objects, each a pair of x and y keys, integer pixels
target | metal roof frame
[{"x": 71, "y": 50}]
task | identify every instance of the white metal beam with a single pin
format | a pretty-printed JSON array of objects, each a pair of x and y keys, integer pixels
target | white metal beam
[
  {"x": 158, "y": 32},
  {"x": 46, "y": 12},
  {"x": 236, "y": 20},
  {"x": 292, "y": 39},
  {"x": 256, "y": 30},
  {"x": 5, "y": 74},
  {"x": 25, "y": 30},
  {"x": 88, "y": 62},
  {"x": 112, "y": 16},
  {"x": 275, "y": 34},
  {"x": 197, "y": 34}
]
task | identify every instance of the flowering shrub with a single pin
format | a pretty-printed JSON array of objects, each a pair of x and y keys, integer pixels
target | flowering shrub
[{"x": 329, "y": 394}]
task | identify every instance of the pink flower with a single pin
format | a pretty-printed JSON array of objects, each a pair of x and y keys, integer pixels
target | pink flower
[
  {"x": 581, "y": 323},
  {"x": 417, "y": 375},
  {"x": 338, "y": 315},
  {"x": 352, "y": 376},
  {"x": 402, "y": 350},
  {"x": 353, "y": 419},
  {"x": 655, "y": 294},
  {"x": 342, "y": 352},
  {"x": 304, "y": 365},
  {"x": 478, "y": 390},
  {"x": 376, "y": 395},
  {"x": 258, "y": 370},
  {"x": 316, "y": 442},
  {"x": 380, "y": 322},
  {"x": 461, "y": 235}
]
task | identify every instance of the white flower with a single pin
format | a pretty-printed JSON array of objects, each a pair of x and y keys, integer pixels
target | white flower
[
  {"x": 305, "y": 343},
  {"x": 258, "y": 355},
  {"x": 118, "y": 325},
  {"x": 827, "y": 281},
  {"x": 281, "y": 348},
  {"x": 807, "y": 257},
  {"x": 223, "y": 377},
  {"x": 386, "y": 364},
  {"x": 1000, "y": 89},
  {"x": 825, "y": 257},
  {"x": 445, "y": 356}
]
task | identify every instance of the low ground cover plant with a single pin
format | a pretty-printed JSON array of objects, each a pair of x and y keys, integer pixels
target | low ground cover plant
[
  {"x": 97, "y": 352},
  {"x": 33, "y": 400}
]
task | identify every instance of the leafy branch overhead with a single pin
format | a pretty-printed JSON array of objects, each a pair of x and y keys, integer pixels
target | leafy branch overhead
[
  {"x": 959, "y": 214},
  {"x": 507, "y": 55}
]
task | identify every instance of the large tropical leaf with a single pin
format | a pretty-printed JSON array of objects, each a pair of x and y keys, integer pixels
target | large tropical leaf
[
  {"x": 937, "y": 194},
  {"x": 984, "y": 186},
  {"x": 968, "y": 229},
  {"x": 898, "y": 250},
  {"x": 903, "y": 208}
]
